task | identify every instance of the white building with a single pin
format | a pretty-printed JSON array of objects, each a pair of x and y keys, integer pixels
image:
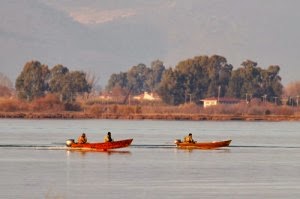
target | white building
[
  {"x": 215, "y": 101},
  {"x": 147, "y": 96}
]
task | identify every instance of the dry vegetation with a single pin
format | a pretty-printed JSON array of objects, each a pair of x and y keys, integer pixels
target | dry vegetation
[
  {"x": 51, "y": 107},
  {"x": 196, "y": 112},
  {"x": 5, "y": 91}
]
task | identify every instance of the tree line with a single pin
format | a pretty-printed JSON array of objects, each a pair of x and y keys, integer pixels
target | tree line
[
  {"x": 37, "y": 79},
  {"x": 198, "y": 78},
  {"x": 138, "y": 78},
  {"x": 193, "y": 79}
]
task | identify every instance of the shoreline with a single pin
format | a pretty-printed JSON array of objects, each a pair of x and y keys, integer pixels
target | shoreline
[{"x": 168, "y": 116}]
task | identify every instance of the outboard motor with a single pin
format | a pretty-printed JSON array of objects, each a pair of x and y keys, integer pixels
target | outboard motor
[
  {"x": 69, "y": 142},
  {"x": 177, "y": 141}
]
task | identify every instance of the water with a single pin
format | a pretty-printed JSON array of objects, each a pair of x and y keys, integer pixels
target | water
[{"x": 263, "y": 160}]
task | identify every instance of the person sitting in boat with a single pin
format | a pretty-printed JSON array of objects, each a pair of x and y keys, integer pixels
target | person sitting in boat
[
  {"x": 108, "y": 138},
  {"x": 82, "y": 139},
  {"x": 189, "y": 138}
]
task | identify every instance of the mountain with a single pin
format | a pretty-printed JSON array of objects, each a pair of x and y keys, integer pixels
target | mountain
[{"x": 105, "y": 37}]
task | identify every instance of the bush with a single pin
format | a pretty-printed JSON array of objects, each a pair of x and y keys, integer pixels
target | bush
[
  {"x": 5, "y": 91},
  {"x": 49, "y": 102},
  {"x": 8, "y": 105},
  {"x": 125, "y": 109},
  {"x": 267, "y": 112},
  {"x": 72, "y": 107},
  {"x": 94, "y": 101},
  {"x": 96, "y": 110},
  {"x": 189, "y": 108},
  {"x": 13, "y": 105},
  {"x": 284, "y": 110}
]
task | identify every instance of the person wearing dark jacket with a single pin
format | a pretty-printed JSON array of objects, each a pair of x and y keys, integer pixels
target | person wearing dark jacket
[
  {"x": 108, "y": 138},
  {"x": 189, "y": 138},
  {"x": 82, "y": 139}
]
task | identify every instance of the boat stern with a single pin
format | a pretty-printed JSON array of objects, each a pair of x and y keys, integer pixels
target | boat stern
[
  {"x": 177, "y": 141},
  {"x": 69, "y": 142}
]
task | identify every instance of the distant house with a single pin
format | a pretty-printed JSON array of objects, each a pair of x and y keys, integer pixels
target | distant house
[
  {"x": 105, "y": 96},
  {"x": 147, "y": 96},
  {"x": 222, "y": 100}
]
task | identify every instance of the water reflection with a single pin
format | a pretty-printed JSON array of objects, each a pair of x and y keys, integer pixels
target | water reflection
[
  {"x": 84, "y": 152},
  {"x": 262, "y": 163},
  {"x": 222, "y": 150}
]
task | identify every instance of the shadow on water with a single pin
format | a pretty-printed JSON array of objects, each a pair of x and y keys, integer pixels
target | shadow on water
[{"x": 109, "y": 152}]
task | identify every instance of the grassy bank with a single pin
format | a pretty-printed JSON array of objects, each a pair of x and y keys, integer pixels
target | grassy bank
[
  {"x": 151, "y": 116},
  {"x": 50, "y": 107}
]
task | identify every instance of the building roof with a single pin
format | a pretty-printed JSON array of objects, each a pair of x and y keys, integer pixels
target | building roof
[
  {"x": 222, "y": 99},
  {"x": 147, "y": 96}
]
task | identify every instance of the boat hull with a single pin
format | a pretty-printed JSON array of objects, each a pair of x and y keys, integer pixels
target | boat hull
[
  {"x": 203, "y": 145},
  {"x": 102, "y": 145}
]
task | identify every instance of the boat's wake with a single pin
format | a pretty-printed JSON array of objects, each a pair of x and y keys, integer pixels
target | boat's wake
[
  {"x": 62, "y": 146},
  {"x": 266, "y": 146},
  {"x": 164, "y": 146},
  {"x": 32, "y": 146}
]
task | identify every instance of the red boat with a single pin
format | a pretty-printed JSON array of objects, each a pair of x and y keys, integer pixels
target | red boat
[
  {"x": 202, "y": 145},
  {"x": 103, "y": 146}
]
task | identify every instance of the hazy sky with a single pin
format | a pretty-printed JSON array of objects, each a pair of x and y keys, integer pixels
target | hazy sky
[{"x": 109, "y": 36}]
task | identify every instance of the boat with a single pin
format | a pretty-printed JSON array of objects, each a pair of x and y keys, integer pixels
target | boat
[
  {"x": 202, "y": 145},
  {"x": 102, "y": 146}
]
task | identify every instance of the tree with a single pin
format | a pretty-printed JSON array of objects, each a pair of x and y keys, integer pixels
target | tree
[
  {"x": 255, "y": 81},
  {"x": 136, "y": 77},
  {"x": 57, "y": 76},
  {"x": 236, "y": 83},
  {"x": 117, "y": 80},
  {"x": 5, "y": 81},
  {"x": 292, "y": 89},
  {"x": 67, "y": 84},
  {"x": 271, "y": 82},
  {"x": 200, "y": 77},
  {"x": 32, "y": 82},
  {"x": 155, "y": 75},
  {"x": 92, "y": 80},
  {"x": 6, "y": 86},
  {"x": 197, "y": 78},
  {"x": 36, "y": 79},
  {"x": 171, "y": 88}
]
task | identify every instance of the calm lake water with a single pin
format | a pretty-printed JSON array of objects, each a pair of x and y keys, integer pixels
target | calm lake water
[{"x": 263, "y": 160}]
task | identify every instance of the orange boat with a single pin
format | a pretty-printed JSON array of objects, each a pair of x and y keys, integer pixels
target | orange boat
[
  {"x": 103, "y": 146},
  {"x": 202, "y": 145}
]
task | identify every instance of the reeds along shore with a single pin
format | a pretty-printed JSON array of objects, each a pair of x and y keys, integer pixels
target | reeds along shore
[
  {"x": 194, "y": 117},
  {"x": 131, "y": 115},
  {"x": 52, "y": 108}
]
